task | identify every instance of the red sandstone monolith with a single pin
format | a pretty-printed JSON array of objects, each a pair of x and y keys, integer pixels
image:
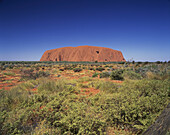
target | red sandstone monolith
[{"x": 83, "y": 53}]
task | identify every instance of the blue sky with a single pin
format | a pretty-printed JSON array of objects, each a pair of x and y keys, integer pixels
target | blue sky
[{"x": 138, "y": 28}]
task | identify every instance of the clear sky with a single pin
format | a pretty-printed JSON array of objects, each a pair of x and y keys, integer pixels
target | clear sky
[{"x": 138, "y": 28}]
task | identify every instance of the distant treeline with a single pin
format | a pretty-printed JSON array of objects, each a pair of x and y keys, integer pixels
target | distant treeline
[
  {"x": 71, "y": 62},
  {"x": 56, "y": 62}
]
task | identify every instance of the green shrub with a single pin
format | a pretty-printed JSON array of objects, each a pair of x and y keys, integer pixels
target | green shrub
[
  {"x": 143, "y": 100},
  {"x": 83, "y": 85},
  {"x": 95, "y": 74},
  {"x": 10, "y": 99},
  {"x": 100, "y": 69},
  {"x": 41, "y": 74},
  {"x": 84, "y": 79},
  {"x": 136, "y": 103},
  {"x": 68, "y": 68},
  {"x": 9, "y": 73},
  {"x": 61, "y": 69},
  {"x": 108, "y": 87},
  {"x": 131, "y": 75},
  {"x": 50, "y": 86},
  {"x": 29, "y": 74},
  {"x": 92, "y": 69},
  {"x": 157, "y": 76},
  {"x": 77, "y": 69},
  {"x": 3, "y": 68},
  {"x": 105, "y": 74},
  {"x": 116, "y": 75}
]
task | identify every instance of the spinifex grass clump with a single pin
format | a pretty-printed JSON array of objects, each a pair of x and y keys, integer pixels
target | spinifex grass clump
[{"x": 30, "y": 74}]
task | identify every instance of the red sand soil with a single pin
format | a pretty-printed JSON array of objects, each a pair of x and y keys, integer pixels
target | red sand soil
[
  {"x": 116, "y": 81},
  {"x": 89, "y": 91},
  {"x": 34, "y": 89},
  {"x": 13, "y": 80}
]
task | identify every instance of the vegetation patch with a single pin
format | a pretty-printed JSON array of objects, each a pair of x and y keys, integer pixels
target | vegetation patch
[{"x": 45, "y": 103}]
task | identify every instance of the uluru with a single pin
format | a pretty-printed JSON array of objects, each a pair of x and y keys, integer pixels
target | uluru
[{"x": 83, "y": 53}]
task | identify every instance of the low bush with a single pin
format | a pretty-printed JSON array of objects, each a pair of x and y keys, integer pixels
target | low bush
[
  {"x": 83, "y": 85},
  {"x": 131, "y": 75},
  {"x": 61, "y": 69},
  {"x": 77, "y": 69},
  {"x": 142, "y": 101},
  {"x": 50, "y": 86},
  {"x": 95, "y": 74},
  {"x": 3, "y": 68},
  {"x": 30, "y": 74},
  {"x": 68, "y": 68},
  {"x": 116, "y": 75},
  {"x": 92, "y": 69},
  {"x": 84, "y": 79},
  {"x": 157, "y": 76},
  {"x": 107, "y": 87},
  {"x": 105, "y": 74},
  {"x": 42, "y": 74},
  {"x": 100, "y": 69},
  {"x": 9, "y": 73}
]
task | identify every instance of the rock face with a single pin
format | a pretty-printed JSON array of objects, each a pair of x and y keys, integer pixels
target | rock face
[{"x": 83, "y": 53}]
